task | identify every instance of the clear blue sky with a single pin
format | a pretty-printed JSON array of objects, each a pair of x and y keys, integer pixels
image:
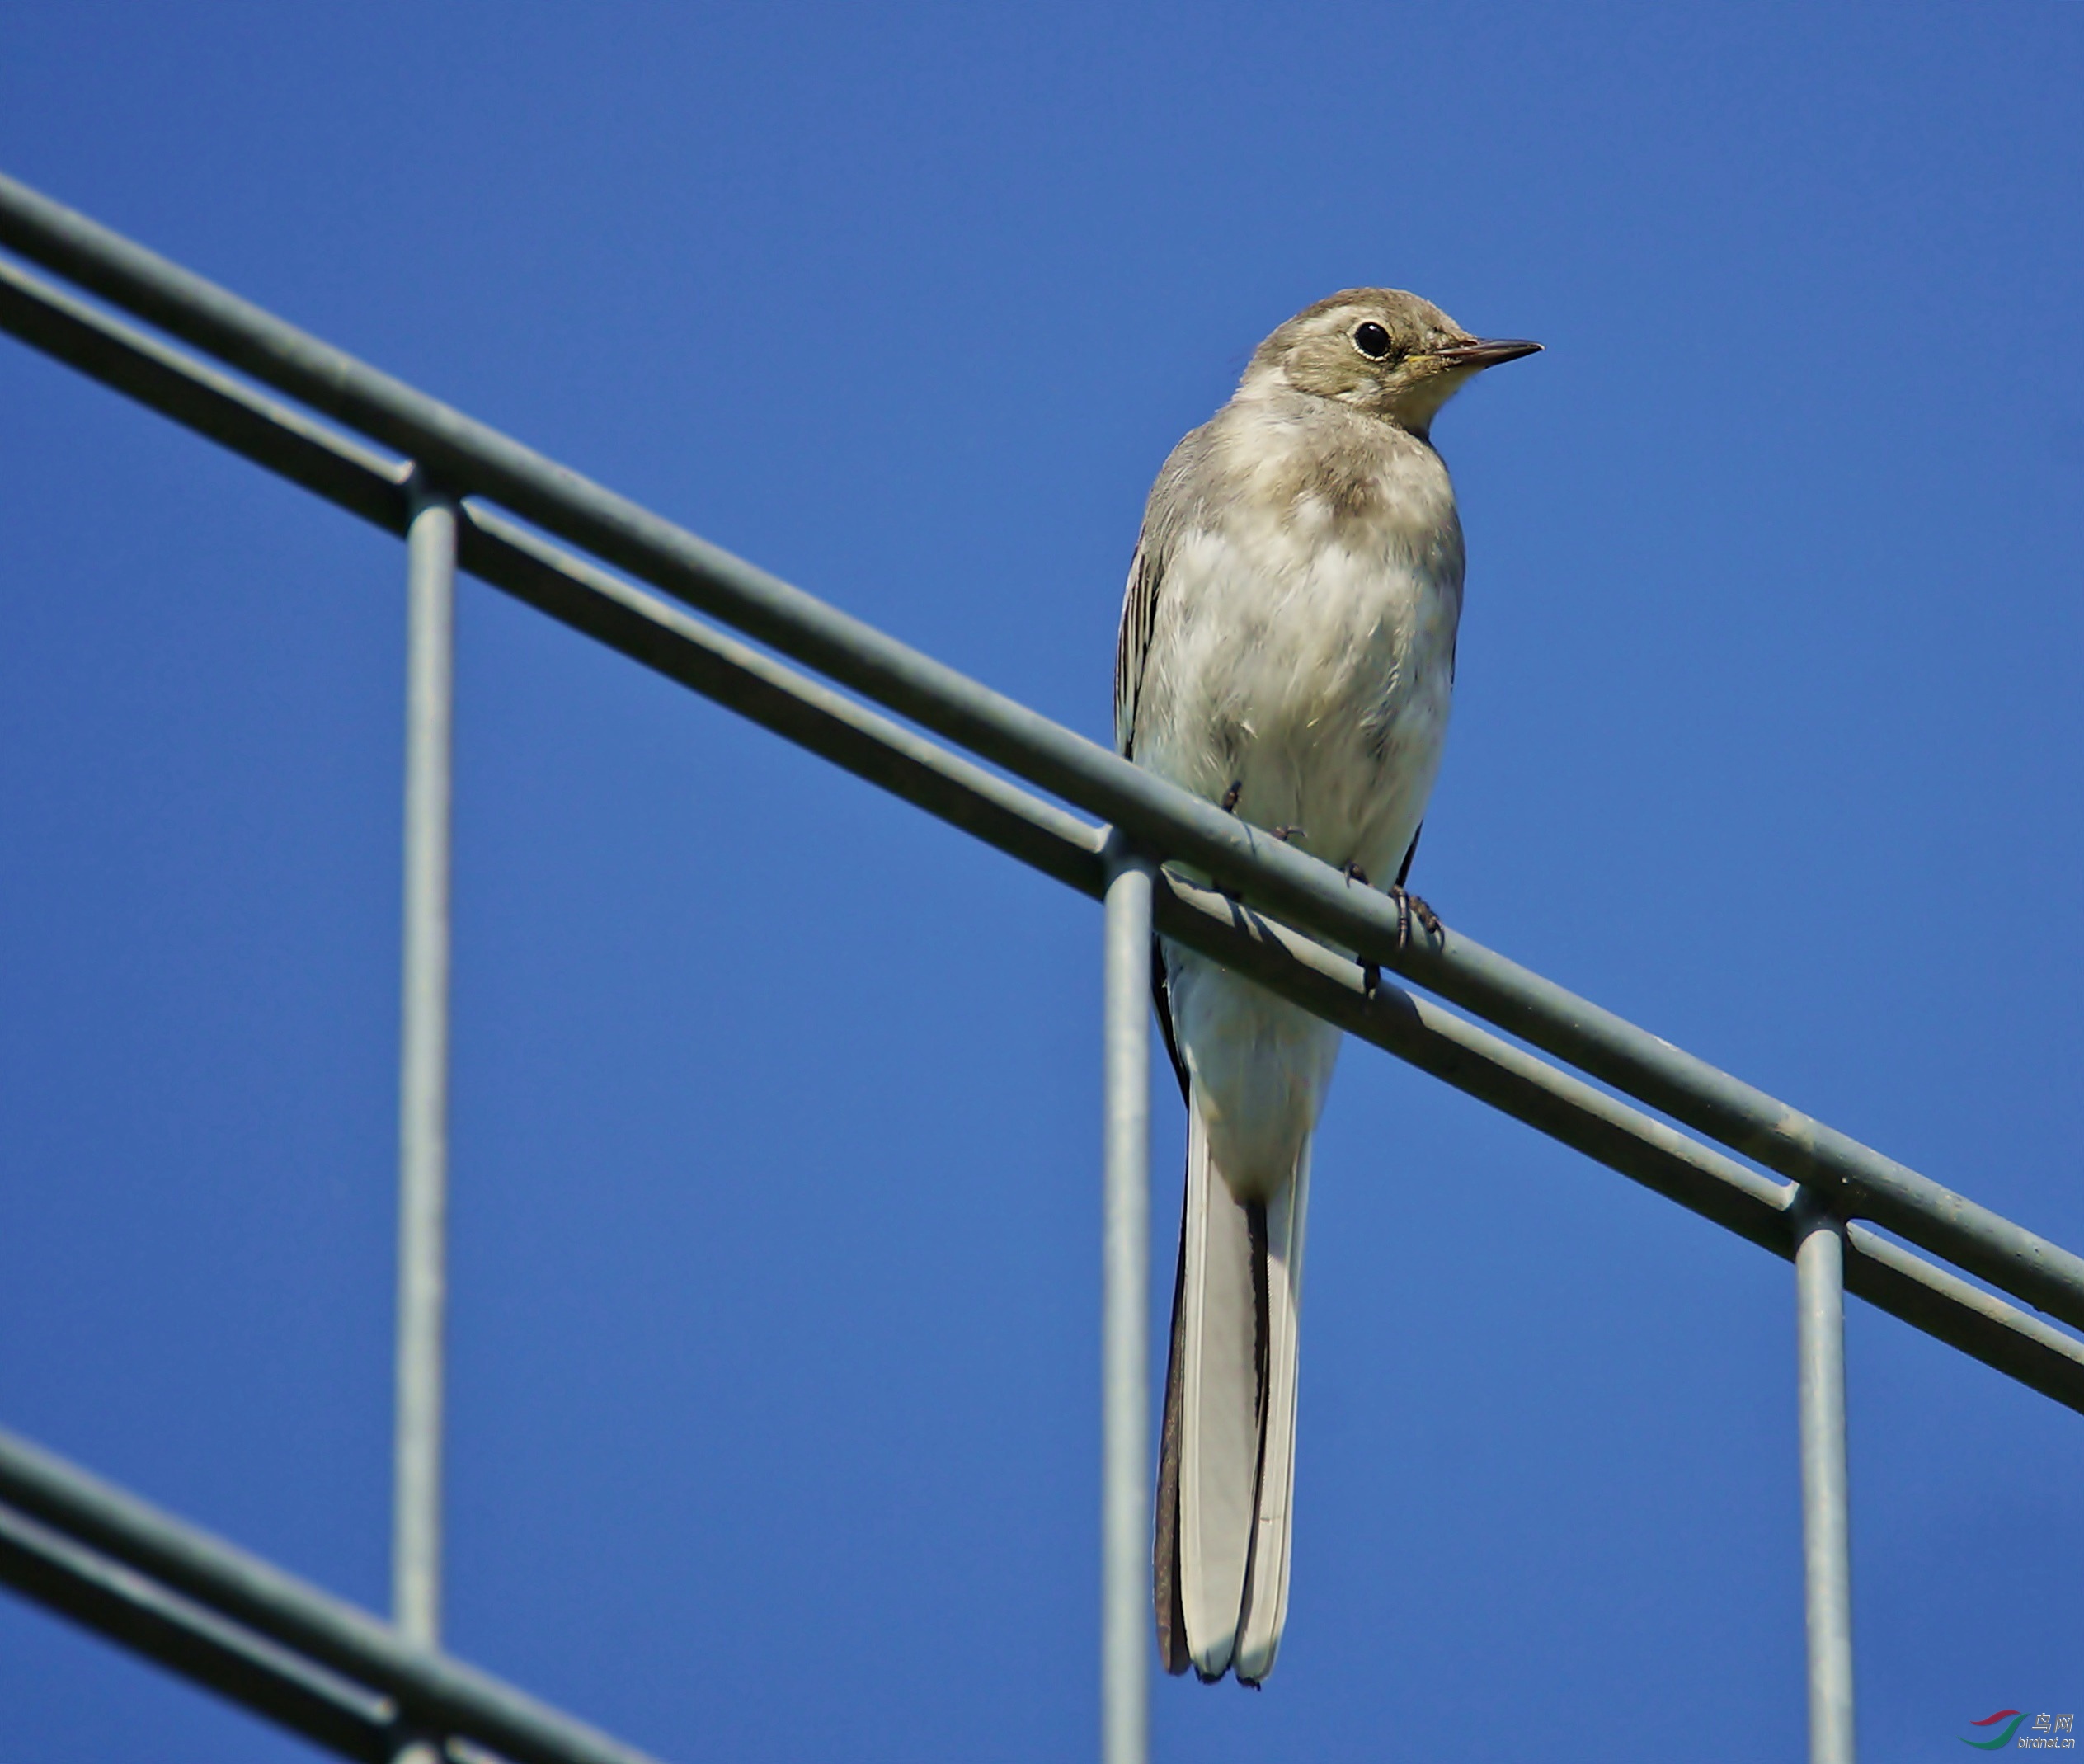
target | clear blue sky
[{"x": 775, "y": 1138}]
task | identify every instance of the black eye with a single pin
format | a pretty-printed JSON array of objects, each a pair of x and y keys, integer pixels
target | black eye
[{"x": 1372, "y": 340}]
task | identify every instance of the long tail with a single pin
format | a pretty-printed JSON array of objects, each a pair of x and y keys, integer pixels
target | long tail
[{"x": 1227, "y": 1455}]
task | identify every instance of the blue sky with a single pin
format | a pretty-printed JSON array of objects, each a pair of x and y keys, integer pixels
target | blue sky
[{"x": 775, "y": 1219}]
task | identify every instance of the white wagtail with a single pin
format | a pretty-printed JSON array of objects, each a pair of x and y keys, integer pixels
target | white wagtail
[{"x": 1287, "y": 650}]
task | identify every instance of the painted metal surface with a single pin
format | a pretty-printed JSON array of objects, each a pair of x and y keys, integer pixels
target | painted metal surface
[
  {"x": 366, "y": 1690},
  {"x": 423, "y": 1066},
  {"x": 666, "y": 639},
  {"x": 1827, "y": 1531},
  {"x": 136, "y": 1611},
  {"x": 1125, "y": 1318},
  {"x": 476, "y": 459},
  {"x": 172, "y": 1569}
]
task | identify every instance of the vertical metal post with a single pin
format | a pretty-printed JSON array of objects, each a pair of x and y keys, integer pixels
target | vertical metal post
[
  {"x": 423, "y": 1077},
  {"x": 1827, "y": 1552},
  {"x": 1124, "y": 1323}
]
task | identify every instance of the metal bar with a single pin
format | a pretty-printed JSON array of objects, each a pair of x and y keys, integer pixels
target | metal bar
[
  {"x": 477, "y": 460},
  {"x": 138, "y": 1614},
  {"x": 828, "y": 723},
  {"x": 433, "y": 1693},
  {"x": 1827, "y": 1546},
  {"x": 1950, "y": 1309},
  {"x": 1125, "y": 1325},
  {"x": 574, "y": 592},
  {"x": 314, "y": 455},
  {"x": 423, "y": 1062},
  {"x": 1607, "y": 1130}
]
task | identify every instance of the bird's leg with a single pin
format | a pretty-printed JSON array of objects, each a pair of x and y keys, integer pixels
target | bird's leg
[
  {"x": 1228, "y": 803},
  {"x": 1229, "y": 806},
  {"x": 1285, "y": 834},
  {"x": 1370, "y": 972}
]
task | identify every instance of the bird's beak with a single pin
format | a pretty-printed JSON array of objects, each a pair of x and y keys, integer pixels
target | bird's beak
[{"x": 1485, "y": 352}]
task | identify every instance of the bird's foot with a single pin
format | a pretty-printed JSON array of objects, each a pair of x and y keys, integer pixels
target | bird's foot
[
  {"x": 1409, "y": 906},
  {"x": 1228, "y": 804},
  {"x": 1285, "y": 835}
]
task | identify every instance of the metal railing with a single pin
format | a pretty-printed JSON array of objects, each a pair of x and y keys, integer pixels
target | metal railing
[{"x": 369, "y": 1690}]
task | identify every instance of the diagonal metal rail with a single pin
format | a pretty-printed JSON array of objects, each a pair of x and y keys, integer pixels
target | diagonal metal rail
[
  {"x": 195, "y": 1604},
  {"x": 261, "y": 1636},
  {"x": 1022, "y": 824},
  {"x": 145, "y": 1615},
  {"x": 476, "y": 459}
]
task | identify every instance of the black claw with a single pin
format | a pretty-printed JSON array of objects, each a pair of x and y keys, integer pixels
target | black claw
[
  {"x": 1285, "y": 833},
  {"x": 1409, "y": 907},
  {"x": 1370, "y": 979},
  {"x": 1355, "y": 873},
  {"x": 1228, "y": 804}
]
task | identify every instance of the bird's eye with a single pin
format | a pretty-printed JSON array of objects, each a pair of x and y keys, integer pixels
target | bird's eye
[{"x": 1372, "y": 340}]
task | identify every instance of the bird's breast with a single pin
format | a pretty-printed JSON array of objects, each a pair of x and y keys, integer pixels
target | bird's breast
[{"x": 1304, "y": 650}]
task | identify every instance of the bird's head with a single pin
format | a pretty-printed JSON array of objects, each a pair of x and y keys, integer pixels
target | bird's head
[{"x": 1381, "y": 350}]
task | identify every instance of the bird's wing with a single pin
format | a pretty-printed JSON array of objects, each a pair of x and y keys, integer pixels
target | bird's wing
[
  {"x": 1180, "y": 496},
  {"x": 1132, "y": 648},
  {"x": 1132, "y": 643},
  {"x": 1140, "y": 600}
]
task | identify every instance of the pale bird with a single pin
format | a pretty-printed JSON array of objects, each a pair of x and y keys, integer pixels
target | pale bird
[{"x": 1286, "y": 650}]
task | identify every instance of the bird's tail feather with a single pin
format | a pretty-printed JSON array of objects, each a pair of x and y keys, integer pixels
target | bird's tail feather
[
  {"x": 1164, "y": 1550},
  {"x": 1266, "y": 1586},
  {"x": 1227, "y": 1453}
]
